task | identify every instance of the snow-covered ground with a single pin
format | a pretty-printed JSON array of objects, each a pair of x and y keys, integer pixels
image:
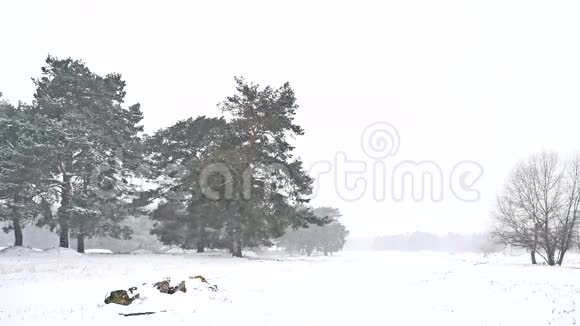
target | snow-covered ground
[{"x": 352, "y": 288}]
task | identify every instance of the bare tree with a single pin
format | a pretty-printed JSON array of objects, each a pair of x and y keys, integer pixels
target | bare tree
[
  {"x": 569, "y": 213},
  {"x": 538, "y": 209}
]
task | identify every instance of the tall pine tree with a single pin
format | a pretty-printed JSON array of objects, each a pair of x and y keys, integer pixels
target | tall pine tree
[
  {"x": 96, "y": 145},
  {"x": 23, "y": 138},
  {"x": 269, "y": 180},
  {"x": 179, "y": 154}
]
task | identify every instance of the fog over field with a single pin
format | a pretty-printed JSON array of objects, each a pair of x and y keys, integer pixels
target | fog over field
[{"x": 290, "y": 163}]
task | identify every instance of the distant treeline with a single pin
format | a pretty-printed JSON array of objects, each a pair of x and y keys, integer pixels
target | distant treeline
[{"x": 450, "y": 242}]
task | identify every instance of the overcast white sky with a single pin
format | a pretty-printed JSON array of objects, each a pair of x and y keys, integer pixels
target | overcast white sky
[{"x": 489, "y": 81}]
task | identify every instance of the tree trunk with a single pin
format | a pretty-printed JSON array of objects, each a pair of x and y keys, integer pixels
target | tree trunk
[
  {"x": 81, "y": 243},
  {"x": 533, "y": 253},
  {"x": 550, "y": 247},
  {"x": 561, "y": 257},
  {"x": 237, "y": 236},
  {"x": 18, "y": 239},
  {"x": 237, "y": 244},
  {"x": 565, "y": 245},
  {"x": 63, "y": 235},
  {"x": 551, "y": 260},
  {"x": 63, "y": 214},
  {"x": 201, "y": 238}
]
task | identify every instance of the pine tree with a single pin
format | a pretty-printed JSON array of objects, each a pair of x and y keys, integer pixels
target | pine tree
[
  {"x": 231, "y": 183},
  {"x": 179, "y": 154},
  {"x": 269, "y": 180},
  {"x": 95, "y": 147},
  {"x": 22, "y": 139}
]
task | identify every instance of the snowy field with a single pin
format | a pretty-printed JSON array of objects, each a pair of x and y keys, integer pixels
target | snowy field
[{"x": 353, "y": 288}]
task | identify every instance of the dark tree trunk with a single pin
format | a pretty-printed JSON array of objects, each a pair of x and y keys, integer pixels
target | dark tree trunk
[
  {"x": 561, "y": 257},
  {"x": 18, "y": 239},
  {"x": 201, "y": 239},
  {"x": 566, "y": 243},
  {"x": 237, "y": 237},
  {"x": 63, "y": 235},
  {"x": 63, "y": 214},
  {"x": 533, "y": 253},
  {"x": 81, "y": 243},
  {"x": 550, "y": 250},
  {"x": 551, "y": 260},
  {"x": 237, "y": 245}
]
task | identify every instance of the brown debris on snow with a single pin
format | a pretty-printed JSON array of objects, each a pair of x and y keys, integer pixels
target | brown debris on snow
[
  {"x": 212, "y": 287},
  {"x": 121, "y": 297},
  {"x": 125, "y": 298},
  {"x": 165, "y": 287}
]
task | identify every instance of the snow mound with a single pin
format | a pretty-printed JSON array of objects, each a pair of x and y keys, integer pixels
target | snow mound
[
  {"x": 141, "y": 252},
  {"x": 179, "y": 251},
  {"x": 18, "y": 251},
  {"x": 249, "y": 254},
  {"x": 174, "y": 251},
  {"x": 98, "y": 251},
  {"x": 61, "y": 252},
  {"x": 199, "y": 297}
]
